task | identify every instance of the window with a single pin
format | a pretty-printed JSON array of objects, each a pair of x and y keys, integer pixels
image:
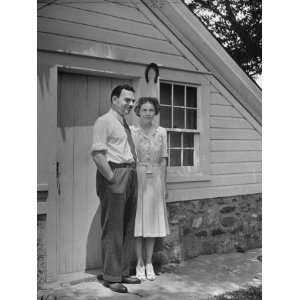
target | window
[{"x": 179, "y": 115}]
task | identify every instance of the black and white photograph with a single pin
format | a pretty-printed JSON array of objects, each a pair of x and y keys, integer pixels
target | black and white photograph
[{"x": 149, "y": 149}]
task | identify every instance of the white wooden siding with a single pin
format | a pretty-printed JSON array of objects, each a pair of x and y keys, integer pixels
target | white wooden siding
[
  {"x": 215, "y": 191},
  {"x": 235, "y": 143},
  {"x": 102, "y": 30},
  {"x": 228, "y": 122},
  {"x": 107, "y": 36},
  {"x": 235, "y": 156},
  {"x": 46, "y": 90},
  {"x": 122, "y": 10}
]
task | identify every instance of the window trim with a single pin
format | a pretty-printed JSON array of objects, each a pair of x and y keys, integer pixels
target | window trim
[
  {"x": 201, "y": 171},
  {"x": 196, "y": 144}
]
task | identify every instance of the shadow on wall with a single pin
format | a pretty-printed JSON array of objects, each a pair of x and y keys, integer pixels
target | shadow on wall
[
  {"x": 93, "y": 247},
  {"x": 43, "y": 72}
]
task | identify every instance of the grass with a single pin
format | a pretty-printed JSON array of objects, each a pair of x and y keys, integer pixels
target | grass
[{"x": 252, "y": 293}]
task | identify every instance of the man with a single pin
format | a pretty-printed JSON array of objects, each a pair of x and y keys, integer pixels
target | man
[{"x": 114, "y": 155}]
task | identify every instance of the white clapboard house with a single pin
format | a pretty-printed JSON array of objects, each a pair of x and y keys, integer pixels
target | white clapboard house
[{"x": 210, "y": 107}]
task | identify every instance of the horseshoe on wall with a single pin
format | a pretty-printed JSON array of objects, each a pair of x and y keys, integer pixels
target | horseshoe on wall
[{"x": 156, "y": 70}]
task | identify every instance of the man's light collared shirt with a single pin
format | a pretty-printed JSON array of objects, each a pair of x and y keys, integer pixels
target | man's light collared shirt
[{"x": 109, "y": 135}]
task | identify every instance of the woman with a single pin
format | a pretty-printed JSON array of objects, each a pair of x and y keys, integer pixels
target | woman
[{"x": 151, "y": 215}]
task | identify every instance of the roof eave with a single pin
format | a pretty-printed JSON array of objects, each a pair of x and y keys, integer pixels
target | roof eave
[{"x": 207, "y": 49}]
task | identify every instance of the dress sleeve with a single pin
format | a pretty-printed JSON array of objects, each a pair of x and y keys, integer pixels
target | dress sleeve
[
  {"x": 164, "y": 144},
  {"x": 100, "y": 134}
]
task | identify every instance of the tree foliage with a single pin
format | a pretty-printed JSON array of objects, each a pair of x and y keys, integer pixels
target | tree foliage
[{"x": 237, "y": 25}]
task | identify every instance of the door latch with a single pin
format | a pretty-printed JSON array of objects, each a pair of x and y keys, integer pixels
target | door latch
[{"x": 57, "y": 177}]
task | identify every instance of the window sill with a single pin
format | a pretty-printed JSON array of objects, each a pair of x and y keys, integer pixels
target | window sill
[{"x": 188, "y": 178}]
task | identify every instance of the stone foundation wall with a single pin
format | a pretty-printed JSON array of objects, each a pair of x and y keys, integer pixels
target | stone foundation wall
[
  {"x": 206, "y": 226},
  {"x": 197, "y": 227},
  {"x": 41, "y": 250}
]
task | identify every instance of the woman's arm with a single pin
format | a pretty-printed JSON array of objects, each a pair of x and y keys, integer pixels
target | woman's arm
[{"x": 163, "y": 163}]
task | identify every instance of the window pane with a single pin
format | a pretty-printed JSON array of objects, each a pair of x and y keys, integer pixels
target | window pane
[
  {"x": 191, "y": 119},
  {"x": 178, "y": 95},
  {"x": 191, "y": 96},
  {"x": 175, "y": 139},
  {"x": 178, "y": 118},
  {"x": 188, "y": 140},
  {"x": 175, "y": 157},
  {"x": 165, "y": 117},
  {"x": 188, "y": 157},
  {"x": 165, "y": 93}
]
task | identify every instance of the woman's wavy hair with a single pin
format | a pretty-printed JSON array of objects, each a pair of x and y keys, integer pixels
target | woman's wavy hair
[{"x": 143, "y": 100}]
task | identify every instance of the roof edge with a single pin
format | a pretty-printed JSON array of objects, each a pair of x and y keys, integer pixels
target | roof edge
[{"x": 206, "y": 47}]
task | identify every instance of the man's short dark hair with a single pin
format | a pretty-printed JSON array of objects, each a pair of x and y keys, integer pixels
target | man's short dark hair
[
  {"x": 118, "y": 90},
  {"x": 144, "y": 100}
]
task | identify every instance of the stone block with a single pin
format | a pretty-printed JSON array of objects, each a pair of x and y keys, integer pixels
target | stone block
[
  {"x": 253, "y": 241},
  {"x": 174, "y": 221},
  {"x": 208, "y": 247},
  {"x": 187, "y": 230},
  {"x": 201, "y": 234},
  {"x": 41, "y": 250},
  {"x": 175, "y": 254},
  {"x": 228, "y": 221},
  {"x": 172, "y": 239},
  {"x": 227, "y": 209},
  {"x": 225, "y": 245},
  {"x": 197, "y": 222},
  {"x": 238, "y": 228},
  {"x": 220, "y": 201},
  {"x": 195, "y": 206},
  {"x": 191, "y": 246},
  {"x": 212, "y": 217},
  {"x": 217, "y": 231}
]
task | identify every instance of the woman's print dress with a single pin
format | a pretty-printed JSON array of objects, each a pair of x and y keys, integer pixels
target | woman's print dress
[{"x": 151, "y": 215}]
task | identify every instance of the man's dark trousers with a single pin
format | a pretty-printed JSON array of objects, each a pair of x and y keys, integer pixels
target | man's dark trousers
[{"x": 118, "y": 209}]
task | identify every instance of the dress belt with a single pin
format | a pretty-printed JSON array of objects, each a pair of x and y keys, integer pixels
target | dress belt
[
  {"x": 122, "y": 165},
  {"x": 147, "y": 164}
]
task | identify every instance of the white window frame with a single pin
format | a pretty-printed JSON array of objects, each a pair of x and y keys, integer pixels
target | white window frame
[{"x": 200, "y": 170}]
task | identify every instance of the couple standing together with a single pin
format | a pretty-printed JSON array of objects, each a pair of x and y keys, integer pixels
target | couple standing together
[{"x": 131, "y": 184}]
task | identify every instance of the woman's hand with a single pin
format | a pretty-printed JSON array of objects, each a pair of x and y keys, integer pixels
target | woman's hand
[{"x": 166, "y": 193}]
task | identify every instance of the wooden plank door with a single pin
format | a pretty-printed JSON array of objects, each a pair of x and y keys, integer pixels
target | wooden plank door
[{"x": 81, "y": 99}]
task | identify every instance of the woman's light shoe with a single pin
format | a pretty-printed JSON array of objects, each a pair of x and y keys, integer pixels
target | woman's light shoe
[
  {"x": 150, "y": 272},
  {"x": 140, "y": 272}
]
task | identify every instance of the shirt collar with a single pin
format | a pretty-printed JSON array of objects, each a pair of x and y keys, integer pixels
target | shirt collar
[{"x": 116, "y": 115}]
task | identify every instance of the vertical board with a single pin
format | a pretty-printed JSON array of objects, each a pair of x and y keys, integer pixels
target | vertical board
[
  {"x": 65, "y": 142},
  {"x": 81, "y": 117}
]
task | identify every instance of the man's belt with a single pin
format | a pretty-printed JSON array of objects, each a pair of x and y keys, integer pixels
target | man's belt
[{"x": 122, "y": 165}]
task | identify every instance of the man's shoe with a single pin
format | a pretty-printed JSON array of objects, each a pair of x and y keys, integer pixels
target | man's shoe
[
  {"x": 99, "y": 277},
  {"x": 115, "y": 286},
  {"x": 131, "y": 280}
]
